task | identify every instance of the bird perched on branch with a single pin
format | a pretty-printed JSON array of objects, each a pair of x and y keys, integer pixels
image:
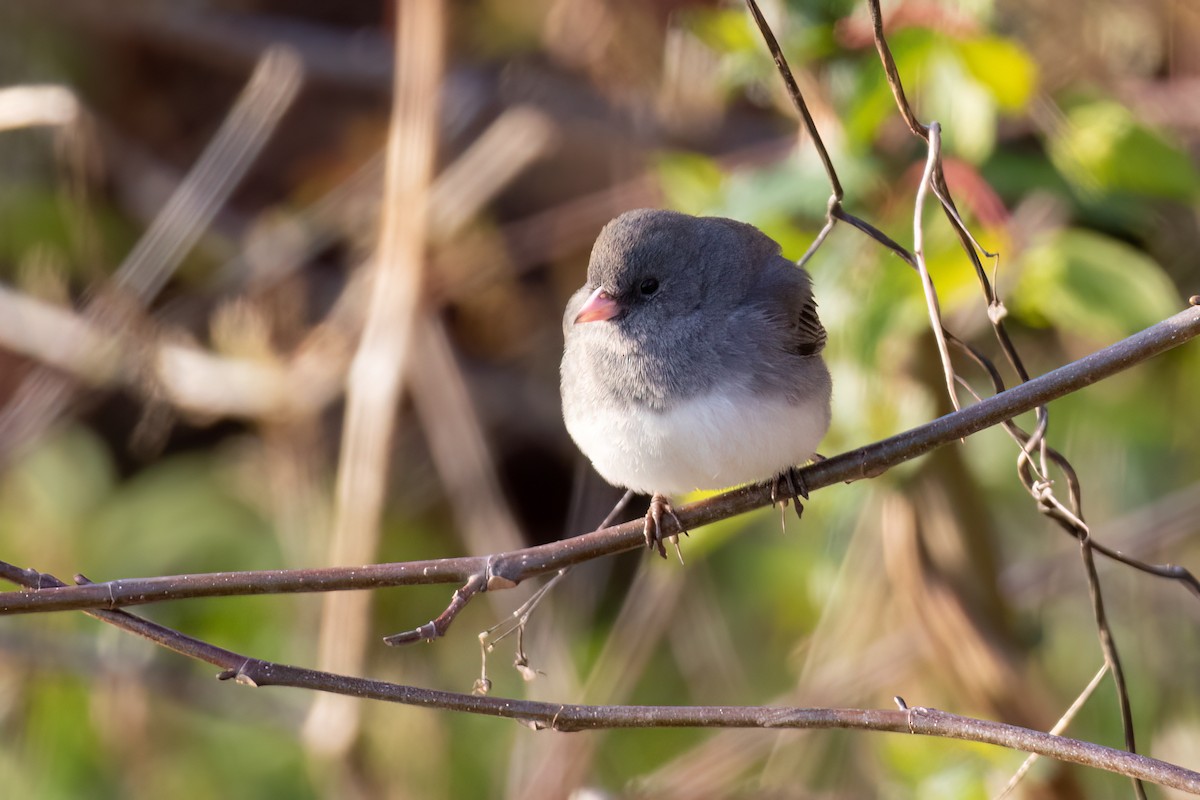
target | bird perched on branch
[{"x": 692, "y": 360}]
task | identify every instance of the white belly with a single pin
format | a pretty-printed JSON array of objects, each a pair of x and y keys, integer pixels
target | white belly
[{"x": 711, "y": 442}]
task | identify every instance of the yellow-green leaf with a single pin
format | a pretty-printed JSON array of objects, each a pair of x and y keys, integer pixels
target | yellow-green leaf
[
  {"x": 1102, "y": 147},
  {"x": 1003, "y": 67}
]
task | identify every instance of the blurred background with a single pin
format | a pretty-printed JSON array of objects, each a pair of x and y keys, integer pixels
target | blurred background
[{"x": 173, "y": 364}]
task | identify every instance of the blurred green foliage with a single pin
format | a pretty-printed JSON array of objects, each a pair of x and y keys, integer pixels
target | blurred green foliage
[
  {"x": 1092, "y": 285},
  {"x": 1100, "y": 148}
]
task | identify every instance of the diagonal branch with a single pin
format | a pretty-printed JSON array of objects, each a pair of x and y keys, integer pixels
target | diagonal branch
[{"x": 507, "y": 569}]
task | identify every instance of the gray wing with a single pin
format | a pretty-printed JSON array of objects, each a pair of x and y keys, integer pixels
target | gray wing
[
  {"x": 807, "y": 334},
  {"x": 791, "y": 287},
  {"x": 782, "y": 282}
]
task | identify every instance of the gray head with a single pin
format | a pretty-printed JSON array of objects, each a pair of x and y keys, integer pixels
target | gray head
[
  {"x": 674, "y": 304},
  {"x": 651, "y": 266}
]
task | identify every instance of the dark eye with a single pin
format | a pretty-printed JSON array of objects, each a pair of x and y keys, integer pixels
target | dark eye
[{"x": 648, "y": 286}]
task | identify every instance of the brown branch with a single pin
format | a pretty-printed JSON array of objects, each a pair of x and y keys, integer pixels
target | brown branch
[
  {"x": 573, "y": 717},
  {"x": 507, "y": 569}
]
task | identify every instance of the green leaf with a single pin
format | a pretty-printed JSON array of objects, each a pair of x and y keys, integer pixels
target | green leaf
[
  {"x": 1101, "y": 147},
  {"x": 1002, "y": 66},
  {"x": 789, "y": 188},
  {"x": 1088, "y": 283},
  {"x": 725, "y": 30},
  {"x": 965, "y": 108},
  {"x": 870, "y": 103},
  {"x": 961, "y": 84}
]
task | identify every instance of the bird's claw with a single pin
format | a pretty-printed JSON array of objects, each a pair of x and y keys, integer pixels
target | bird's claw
[
  {"x": 660, "y": 507},
  {"x": 792, "y": 480}
]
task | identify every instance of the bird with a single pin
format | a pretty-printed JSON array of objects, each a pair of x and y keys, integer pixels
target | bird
[{"x": 692, "y": 360}]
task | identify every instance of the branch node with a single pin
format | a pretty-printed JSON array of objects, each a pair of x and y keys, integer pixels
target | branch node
[
  {"x": 493, "y": 580},
  {"x": 912, "y": 713},
  {"x": 996, "y": 312},
  {"x": 241, "y": 675}
]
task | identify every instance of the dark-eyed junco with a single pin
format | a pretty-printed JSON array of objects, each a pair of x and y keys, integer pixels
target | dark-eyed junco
[{"x": 692, "y": 358}]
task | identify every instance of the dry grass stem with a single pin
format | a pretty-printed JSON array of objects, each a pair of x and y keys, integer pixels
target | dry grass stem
[{"x": 373, "y": 385}]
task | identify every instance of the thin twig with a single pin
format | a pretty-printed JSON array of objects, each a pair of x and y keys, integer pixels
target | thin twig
[
  {"x": 823, "y": 234},
  {"x": 1031, "y": 476},
  {"x": 834, "y": 205},
  {"x": 931, "y": 297},
  {"x": 437, "y": 627},
  {"x": 797, "y": 98},
  {"x": 893, "y": 74},
  {"x": 1108, "y": 644},
  {"x": 516, "y": 621}
]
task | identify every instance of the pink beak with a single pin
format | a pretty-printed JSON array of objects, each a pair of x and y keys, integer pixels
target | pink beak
[{"x": 599, "y": 306}]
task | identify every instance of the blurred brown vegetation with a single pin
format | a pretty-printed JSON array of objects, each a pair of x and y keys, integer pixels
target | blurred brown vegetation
[{"x": 196, "y": 425}]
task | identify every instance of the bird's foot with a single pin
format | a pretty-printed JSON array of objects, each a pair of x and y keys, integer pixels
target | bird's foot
[
  {"x": 660, "y": 508},
  {"x": 789, "y": 485}
]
